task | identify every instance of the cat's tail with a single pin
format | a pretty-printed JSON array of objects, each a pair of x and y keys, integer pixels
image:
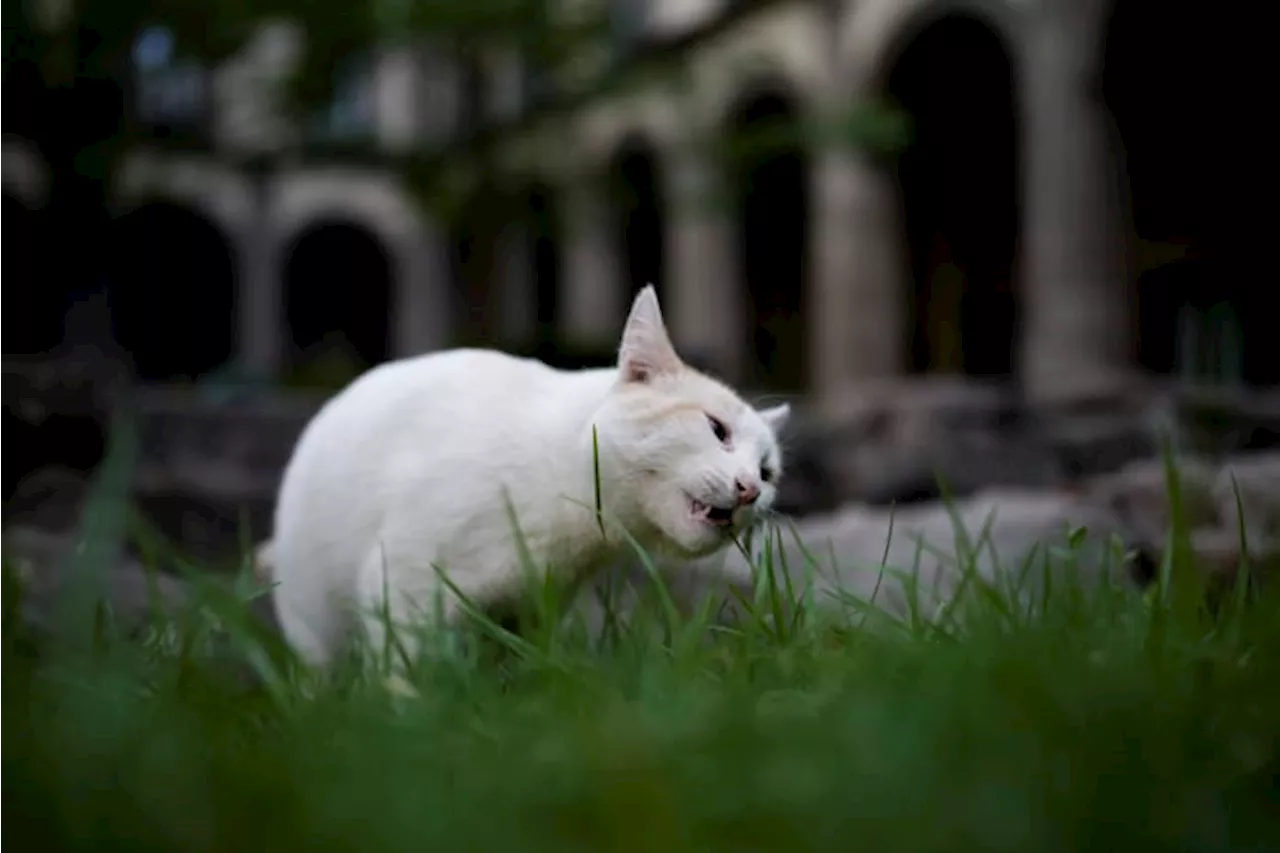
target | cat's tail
[{"x": 264, "y": 561}]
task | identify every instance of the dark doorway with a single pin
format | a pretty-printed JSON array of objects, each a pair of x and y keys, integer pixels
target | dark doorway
[
  {"x": 637, "y": 197},
  {"x": 544, "y": 243},
  {"x": 769, "y": 172},
  {"x": 338, "y": 300},
  {"x": 958, "y": 179},
  {"x": 1200, "y": 312},
  {"x": 475, "y": 241},
  {"x": 21, "y": 315},
  {"x": 171, "y": 291}
]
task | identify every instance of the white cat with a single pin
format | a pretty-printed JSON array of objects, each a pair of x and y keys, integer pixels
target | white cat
[{"x": 410, "y": 468}]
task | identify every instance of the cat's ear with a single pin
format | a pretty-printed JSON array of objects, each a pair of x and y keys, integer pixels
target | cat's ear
[
  {"x": 776, "y": 417},
  {"x": 646, "y": 350}
]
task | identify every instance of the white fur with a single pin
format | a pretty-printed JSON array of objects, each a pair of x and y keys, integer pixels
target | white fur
[{"x": 407, "y": 468}]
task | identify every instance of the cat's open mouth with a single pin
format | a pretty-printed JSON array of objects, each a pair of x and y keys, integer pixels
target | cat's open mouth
[{"x": 713, "y": 515}]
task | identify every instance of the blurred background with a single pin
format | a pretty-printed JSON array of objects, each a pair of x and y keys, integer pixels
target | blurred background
[{"x": 1007, "y": 242}]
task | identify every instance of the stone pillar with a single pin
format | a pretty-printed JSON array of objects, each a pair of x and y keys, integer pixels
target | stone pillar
[
  {"x": 593, "y": 305},
  {"x": 857, "y": 309},
  {"x": 704, "y": 302},
  {"x": 260, "y": 297},
  {"x": 422, "y": 308},
  {"x": 1076, "y": 328},
  {"x": 397, "y": 87}
]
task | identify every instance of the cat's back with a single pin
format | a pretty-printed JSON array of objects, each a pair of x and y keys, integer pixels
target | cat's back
[
  {"x": 446, "y": 401},
  {"x": 430, "y": 419},
  {"x": 455, "y": 378}
]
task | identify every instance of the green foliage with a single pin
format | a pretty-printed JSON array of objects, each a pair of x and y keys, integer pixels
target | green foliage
[{"x": 1078, "y": 718}]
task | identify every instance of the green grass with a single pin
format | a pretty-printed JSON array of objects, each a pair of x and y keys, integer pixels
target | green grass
[{"x": 1077, "y": 719}]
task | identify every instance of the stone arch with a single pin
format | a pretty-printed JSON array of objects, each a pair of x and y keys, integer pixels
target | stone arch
[
  {"x": 338, "y": 294},
  {"x": 1200, "y": 312},
  {"x": 219, "y": 193},
  {"x": 872, "y": 33},
  {"x": 953, "y": 75},
  {"x": 370, "y": 199},
  {"x": 171, "y": 292},
  {"x": 637, "y": 201},
  {"x": 768, "y": 168}
]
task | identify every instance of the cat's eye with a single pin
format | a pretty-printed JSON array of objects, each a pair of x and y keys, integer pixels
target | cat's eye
[
  {"x": 766, "y": 473},
  {"x": 718, "y": 428}
]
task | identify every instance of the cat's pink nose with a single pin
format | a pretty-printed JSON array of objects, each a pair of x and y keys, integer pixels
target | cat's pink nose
[{"x": 747, "y": 492}]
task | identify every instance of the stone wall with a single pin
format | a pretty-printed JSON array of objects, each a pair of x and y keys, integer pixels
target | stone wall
[{"x": 211, "y": 458}]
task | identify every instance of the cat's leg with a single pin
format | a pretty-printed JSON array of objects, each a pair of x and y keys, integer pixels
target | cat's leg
[
  {"x": 407, "y": 611},
  {"x": 392, "y": 625}
]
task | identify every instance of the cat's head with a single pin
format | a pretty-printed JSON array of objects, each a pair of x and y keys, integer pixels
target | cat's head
[{"x": 683, "y": 458}]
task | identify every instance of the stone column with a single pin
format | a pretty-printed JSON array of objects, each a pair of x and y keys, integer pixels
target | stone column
[
  {"x": 593, "y": 305},
  {"x": 422, "y": 308},
  {"x": 704, "y": 301},
  {"x": 858, "y": 282},
  {"x": 260, "y": 298},
  {"x": 397, "y": 97},
  {"x": 1076, "y": 326}
]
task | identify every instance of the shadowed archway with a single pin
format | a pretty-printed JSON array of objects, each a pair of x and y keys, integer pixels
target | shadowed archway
[
  {"x": 171, "y": 291},
  {"x": 338, "y": 293},
  {"x": 475, "y": 245},
  {"x": 1201, "y": 311},
  {"x": 26, "y": 325},
  {"x": 769, "y": 173},
  {"x": 958, "y": 179},
  {"x": 545, "y": 231},
  {"x": 636, "y": 188}
]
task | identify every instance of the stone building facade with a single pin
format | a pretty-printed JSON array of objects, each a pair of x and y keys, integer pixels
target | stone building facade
[{"x": 1045, "y": 223}]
